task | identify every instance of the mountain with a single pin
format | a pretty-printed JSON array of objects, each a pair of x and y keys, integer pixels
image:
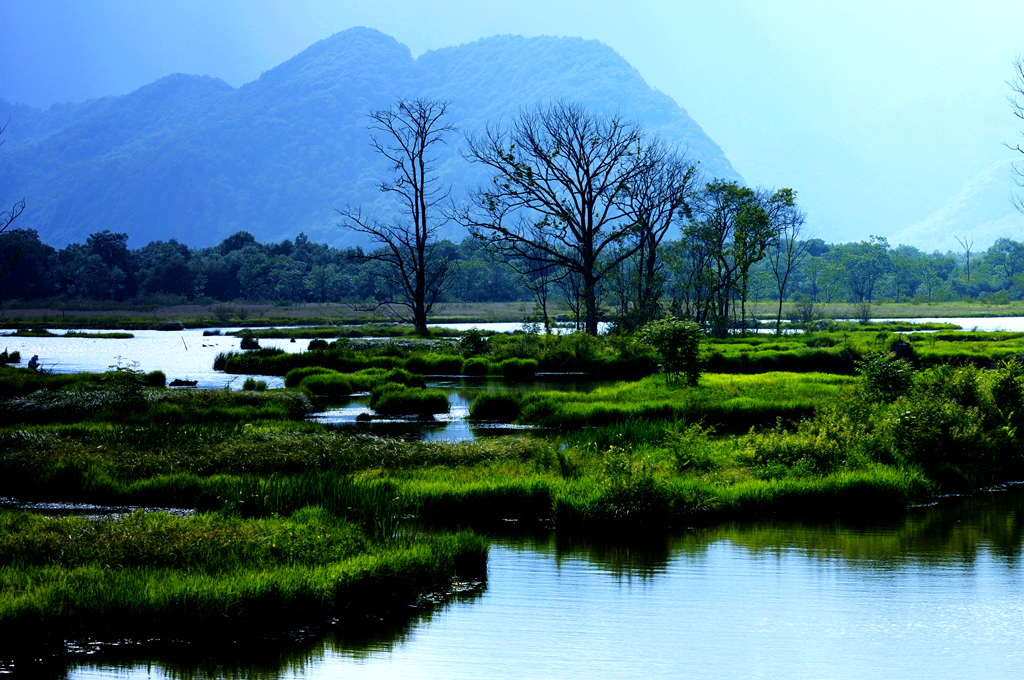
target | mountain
[
  {"x": 981, "y": 211},
  {"x": 192, "y": 158}
]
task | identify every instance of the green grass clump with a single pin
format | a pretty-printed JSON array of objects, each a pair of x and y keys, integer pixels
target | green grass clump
[
  {"x": 476, "y": 366},
  {"x": 730, "y": 402},
  {"x": 251, "y": 385},
  {"x": 499, "y": 406},
  {"x": 518, "y": 369},
  {"x": 435, "y": 364},
  {"x": 296, "y": 375},
  {"x": 397, "y": 399},
  {"x": 329, "y": 384}
]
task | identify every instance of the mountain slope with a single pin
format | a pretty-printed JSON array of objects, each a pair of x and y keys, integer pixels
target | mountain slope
[
  {"x": 192, "y": 158},
  {"x": 981, "y": 212}
]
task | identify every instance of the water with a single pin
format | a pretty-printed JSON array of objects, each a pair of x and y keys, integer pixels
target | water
[
  {"x": 937, "y": 594},
  {"x": 454, "y": 425},
  {"x": 513, "y": 326},
  {"x": 189, "y": 355},
  {"x": 185, "y": 355},
  {"x": 989, "y": 323}
]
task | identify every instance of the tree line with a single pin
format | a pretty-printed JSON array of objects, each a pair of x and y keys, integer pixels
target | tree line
[
  {"x": 240, "y": 268},
  {"x": 578, "y": 211}
]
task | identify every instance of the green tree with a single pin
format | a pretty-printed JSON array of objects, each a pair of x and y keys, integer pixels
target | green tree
[{"x": 731, "y": 229}]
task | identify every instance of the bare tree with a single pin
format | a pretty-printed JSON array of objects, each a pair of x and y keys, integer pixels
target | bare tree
[
  {"x": 966, "y": 243},
  {"x": 1016, "y": 99},
  {"x": 557, "y": 197},
  {"x": 787, "y": 252},
  {"x": 655, "y": 199},
  {"x": 415, "y": 269},
  {"x": 7, "y": 217}
]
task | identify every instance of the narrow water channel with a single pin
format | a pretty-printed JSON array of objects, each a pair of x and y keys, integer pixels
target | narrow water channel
[{"x": 938, "y": 593}]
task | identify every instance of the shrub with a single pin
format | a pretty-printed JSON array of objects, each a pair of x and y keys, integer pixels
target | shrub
[
  {"x": 155, "y": 379},
  {"x": 948, "y": 441},
  {"x": 678, "y": 346},
  {"x": 691, "y": 449},
  {"x": 171, "y": 326},
  {"x": 630, "y": 495},
  {"x": 317, "y": 344},
  {"x": 473, "y": 343},
  {"x": 1008, "y": 390},
  {"x": 884, "y": 378},
  {"x": 249, "y": 342}
]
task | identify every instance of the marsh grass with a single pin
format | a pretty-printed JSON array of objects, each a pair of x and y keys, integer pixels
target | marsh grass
[
  {"x": 728, "y": 402},
  {"x": 497, "y": 406},
  {"x": 207, "y": 577}
]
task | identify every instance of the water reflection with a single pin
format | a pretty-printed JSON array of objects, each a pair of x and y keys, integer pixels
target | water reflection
[
  {"x": 454, "y": 425},
  {"x": 936, "y": 594}
]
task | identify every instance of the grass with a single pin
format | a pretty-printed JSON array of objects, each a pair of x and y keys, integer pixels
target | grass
[
  {"x": 643, "y": 456},
  {"x": 207, "y": 577},
  {"x": 150, "y": 313},
  {"x": 733, "y": 402}
]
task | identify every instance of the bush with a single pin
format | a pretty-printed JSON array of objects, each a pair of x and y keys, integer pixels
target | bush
[
  {"x": 318, "y": 344},
  {"x": 249, "y": 342},
  {"x": 171, "y": 326},
  {"x": 473, "y": 343},
  {"x": 884, "y": 378},
  {"x": 691, "y": 449},
  {"x": 155, "y": 379},
  {"x": 678, "y": 346}
]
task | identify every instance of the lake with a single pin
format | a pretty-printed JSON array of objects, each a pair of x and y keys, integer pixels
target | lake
[{"x": 938, "y": 593}]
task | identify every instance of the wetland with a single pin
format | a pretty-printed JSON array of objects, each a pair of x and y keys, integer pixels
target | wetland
[{"x": 761, "y": 522}]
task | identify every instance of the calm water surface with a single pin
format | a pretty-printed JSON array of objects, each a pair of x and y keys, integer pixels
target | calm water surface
[
  {"x": 937, "y": 594},
  {"x": 185, "y": 355}
]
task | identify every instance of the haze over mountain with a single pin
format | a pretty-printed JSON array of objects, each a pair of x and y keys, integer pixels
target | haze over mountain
[
  {"x": 192, "y": 158},
  {"x": 980, "y": 212}
]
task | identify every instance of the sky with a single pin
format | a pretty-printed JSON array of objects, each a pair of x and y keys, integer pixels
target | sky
[{"x": 876, "y": 113}]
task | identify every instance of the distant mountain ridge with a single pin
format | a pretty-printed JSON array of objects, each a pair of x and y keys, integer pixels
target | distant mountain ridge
[
  {"x": 981, "y": 212},
  {"x": 192, "y": 158}
]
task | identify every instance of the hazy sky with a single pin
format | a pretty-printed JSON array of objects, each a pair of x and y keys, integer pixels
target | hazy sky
[{"x": 875, "y": 112}]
